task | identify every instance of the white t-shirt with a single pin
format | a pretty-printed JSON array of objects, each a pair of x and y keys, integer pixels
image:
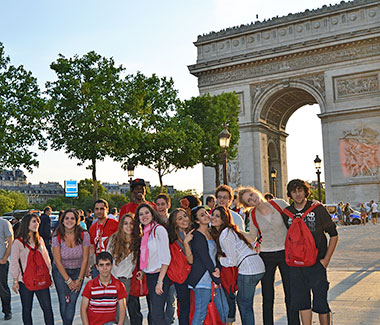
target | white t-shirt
[{"x": 374, "y": 207}]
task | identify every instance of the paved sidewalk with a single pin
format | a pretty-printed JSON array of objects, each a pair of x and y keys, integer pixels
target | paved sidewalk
[{"x": 354, "y": 276}]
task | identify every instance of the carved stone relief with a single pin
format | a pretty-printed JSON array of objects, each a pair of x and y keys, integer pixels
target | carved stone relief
[
  {"x": 360, "y": 152},
  {"x": 353, "y": 86},
  {"x": 307, "y": 60}
]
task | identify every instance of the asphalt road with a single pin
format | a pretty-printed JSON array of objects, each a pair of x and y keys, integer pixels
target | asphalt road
[{"x": 354, "y": 275}]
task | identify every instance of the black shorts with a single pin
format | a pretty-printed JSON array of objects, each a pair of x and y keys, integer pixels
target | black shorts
[
  {"x": 303, "y": 280},
  {"x": 374, "y": 215}
]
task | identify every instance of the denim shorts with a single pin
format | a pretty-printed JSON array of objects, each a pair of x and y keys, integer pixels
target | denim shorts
[{"x": 303, "y": 281}]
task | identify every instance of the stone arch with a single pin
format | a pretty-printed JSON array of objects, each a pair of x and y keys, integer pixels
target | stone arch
[
  {"x": 328, "y": 56},
  {"x": 295, "y": 93}
]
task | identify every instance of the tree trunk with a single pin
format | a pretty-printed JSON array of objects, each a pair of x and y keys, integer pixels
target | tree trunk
[
  {"x": 217, "y": 176},
  {"x": 160, "y": 177},
  {"x": 94, "y": 181}
]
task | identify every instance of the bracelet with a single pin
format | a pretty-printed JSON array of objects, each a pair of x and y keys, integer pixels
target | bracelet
[
  {"x": 159, "y": 282},
  {"x": 80, "y": 279},
  {"x": 68, "y": 281},
  {"x": 189, "y": 255}
]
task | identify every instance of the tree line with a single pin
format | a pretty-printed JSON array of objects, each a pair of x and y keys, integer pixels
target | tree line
[{"x": 94, "y": 110}]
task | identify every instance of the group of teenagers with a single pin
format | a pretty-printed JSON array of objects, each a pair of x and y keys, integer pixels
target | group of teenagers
[{"x": 195, "y": 254}]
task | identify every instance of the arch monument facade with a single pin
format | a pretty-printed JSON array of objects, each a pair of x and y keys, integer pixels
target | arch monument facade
[{"x": 328, "y": 56}]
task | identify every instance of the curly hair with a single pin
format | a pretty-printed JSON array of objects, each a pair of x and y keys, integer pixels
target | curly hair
[
  {"x": 120, "y": 244},
  {"x": 172, "y": 225},
  {"x": 295, "y": 184},
  {"x": 227, "y": 222},
  {"x": 23, "y": 231},
  {"x": 138, "y": 229},
  {"x": 61, "y": 229}
]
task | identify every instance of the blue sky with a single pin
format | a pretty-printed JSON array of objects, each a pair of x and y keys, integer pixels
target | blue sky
[{"x": 147, "y": 36}]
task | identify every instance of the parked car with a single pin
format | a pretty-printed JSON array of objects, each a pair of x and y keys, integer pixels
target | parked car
[
  {"x": 9, "y": 218},
  {"x": 54, "y": 220},
  {"x": 354, "y": 216}
]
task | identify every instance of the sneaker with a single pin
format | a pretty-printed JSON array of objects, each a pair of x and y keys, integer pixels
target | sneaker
[{"x": 8, "y": 316}]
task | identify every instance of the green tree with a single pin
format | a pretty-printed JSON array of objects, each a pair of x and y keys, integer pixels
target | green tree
[
  {"x": 23, "y": 115},
  {"x": 88, "y": 106},
  {"x": 212, "y": 113},
  {"x": 21, "y": 200},
  {"x": 165, "y": 141},
  {"x": 6, "y": 203}
]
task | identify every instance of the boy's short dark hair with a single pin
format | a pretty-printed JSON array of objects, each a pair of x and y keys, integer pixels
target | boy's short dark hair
[
  {"x": 163, "y": 196},
  {"x": 298, "y": 183},
  {"x": 102, "y": 201},
  {"x": 104, "y": 256},
  {"x": 210, "y": 198}
]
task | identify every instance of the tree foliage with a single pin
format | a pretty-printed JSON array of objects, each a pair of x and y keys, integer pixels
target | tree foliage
[
  {"x": 23, "y": 115},
  {"x": 165, "y": 141},
  {"x": 88, "y": 106},
  {"x": 10, "y": 201},
  {"x": 212, "y": 113}
]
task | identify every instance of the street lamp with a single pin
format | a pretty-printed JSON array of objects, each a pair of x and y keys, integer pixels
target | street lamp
[
  {"x": 318, "y": 164},
  {"x": 131, "y": 172},
  {"x": 273, "y": 175},
  {"x": 224, "y": 143}
]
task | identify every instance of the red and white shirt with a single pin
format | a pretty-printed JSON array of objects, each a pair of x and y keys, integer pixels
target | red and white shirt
[
  {"x": 100, "y": 234},
  {"x": 103, "y": 300}
]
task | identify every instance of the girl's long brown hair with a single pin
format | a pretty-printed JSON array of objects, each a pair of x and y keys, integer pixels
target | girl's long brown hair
[
  {"x": 120, "y": 245},
  {"x": 23, "y": 231},
  {"x": 226, "y": 217},
  {"x": 173, "y": 231},
  {"x": 61, "y": 230},
  {"x": 138, "y": 229}
]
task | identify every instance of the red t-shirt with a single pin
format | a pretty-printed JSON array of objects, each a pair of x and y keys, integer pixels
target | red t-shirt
[
  {"x": 132, "y": 207},
  {"x": 103, "y": 300},
  {"x": 99, "y": 234}
]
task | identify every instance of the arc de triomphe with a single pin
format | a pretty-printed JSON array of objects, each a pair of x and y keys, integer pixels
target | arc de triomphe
[{"x": 328, "y": 56}]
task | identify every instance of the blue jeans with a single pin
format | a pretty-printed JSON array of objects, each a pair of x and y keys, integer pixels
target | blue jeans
[
  {"x": 44, "y": 299},
  {"x": 157, "y": 302},
  {"x": 170, "y": 305},
  {"x": 183, "y": 296},
  {"x": 247, "y": 287},
  {"x": 67, "y": 298},
  {"x": 202, "y": 297},
  {"x": 5, "y": 293}
]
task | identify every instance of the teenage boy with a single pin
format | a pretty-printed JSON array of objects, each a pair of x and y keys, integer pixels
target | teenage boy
[
  {"x": 304, "y": 280},
  {"x": 102, "y": 295},
  {"x": 138, "y": 189},
  {"x": 224, "y": 196},
  {"x": 100, "y": 232}
]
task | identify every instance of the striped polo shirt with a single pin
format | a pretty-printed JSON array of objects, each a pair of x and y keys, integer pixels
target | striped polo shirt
[{"x": 103, "y": 300}]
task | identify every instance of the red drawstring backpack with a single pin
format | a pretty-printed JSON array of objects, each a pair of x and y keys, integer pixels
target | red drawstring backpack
[
  {"x": 300, "y": 249},
  {"x": 228, "y": 278},
  {"x": 178, "y": 269},
  {"x": 36, "y": 275},
  {"x": 139, "y": 288}
]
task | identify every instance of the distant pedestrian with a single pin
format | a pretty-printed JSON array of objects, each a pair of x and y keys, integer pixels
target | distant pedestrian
[
  {"x": 28, "y": 236},
  {"x": 89, "y": 218},
  {"x": 71, "y": 246},
  {"x": 113, "y": 214},
  {"x": 374, "y": 211},
  {"x": 347, "y": 210},
  {"x": 211, "y": 201},
  {"x": 363, "y": 214},
  {"x": 6, "y": 240},
  {"x": 45, "y": 229},
  {"x": 339, "y": 212},
  {"x": 82, "y": 219}
]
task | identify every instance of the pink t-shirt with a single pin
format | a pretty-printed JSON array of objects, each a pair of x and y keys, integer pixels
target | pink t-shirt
[{"x": 71, "y": 257}]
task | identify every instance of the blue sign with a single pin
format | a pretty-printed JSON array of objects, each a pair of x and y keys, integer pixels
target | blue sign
[{"x": 71, "y": 188}]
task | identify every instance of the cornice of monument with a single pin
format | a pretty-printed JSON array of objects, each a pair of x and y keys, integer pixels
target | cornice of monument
[
  {"x": 276, "y": 21},
  {"x": 284, "y": 63}
]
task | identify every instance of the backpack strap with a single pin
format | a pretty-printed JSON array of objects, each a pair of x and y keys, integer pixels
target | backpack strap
[
  {"x": 275, "y": 205},
  {"x": 254, "y": 221},
  {"x": 155, "y": 228},
  {"x": 291, "y": 215}
]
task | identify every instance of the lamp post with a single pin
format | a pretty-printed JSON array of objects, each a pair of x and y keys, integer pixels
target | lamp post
[
  {"x": 318, "y": 164},
  {"x": 224, "y": 143},
  {"x": 131, "y": 172},
  {"x": 273, "y": 175}
]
